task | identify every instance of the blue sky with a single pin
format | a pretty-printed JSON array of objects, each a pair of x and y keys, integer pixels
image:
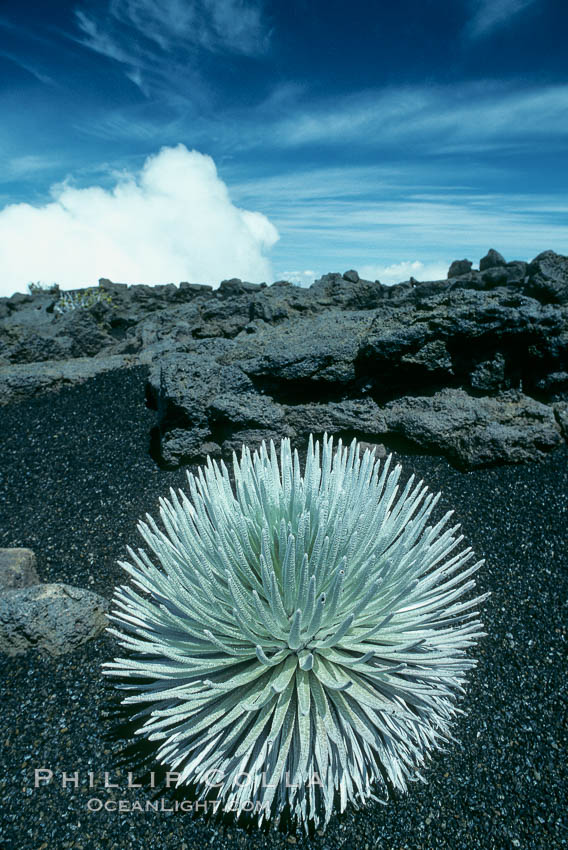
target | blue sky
[{"x": 202, "y": 139}]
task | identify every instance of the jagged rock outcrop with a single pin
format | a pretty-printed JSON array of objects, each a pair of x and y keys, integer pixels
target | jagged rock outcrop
[{"x": 474, "y": 366}]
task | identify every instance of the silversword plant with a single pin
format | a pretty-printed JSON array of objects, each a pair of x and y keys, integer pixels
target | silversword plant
[
  {"x": 83, "y": 299},
  {"x": 302, "y": 640}
]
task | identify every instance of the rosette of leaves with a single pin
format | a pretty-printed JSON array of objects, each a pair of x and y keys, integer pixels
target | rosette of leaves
[
  {"x": 299, "y": 640},
  {"x": 82, "y": 299}
]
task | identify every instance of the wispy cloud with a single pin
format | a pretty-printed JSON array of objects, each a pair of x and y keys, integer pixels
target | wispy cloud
[
  {"x": 483, "y": 117},
  {"x": 488, "y": 15},
  {"x": 101, "y": 41},
  {"x": 21, "y": 167},
  {"x": 129, "y": 124},
  {"x": 390, "y": 225},
  {"x": 234, "y": 26},
  {"x": 158, "y": 42},
  {"x": 30, "y": 67},
  {"x": 435, "y": 117}
]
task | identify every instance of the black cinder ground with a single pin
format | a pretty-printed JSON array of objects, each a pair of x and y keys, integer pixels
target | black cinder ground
[{"x": 76, "y": 476}]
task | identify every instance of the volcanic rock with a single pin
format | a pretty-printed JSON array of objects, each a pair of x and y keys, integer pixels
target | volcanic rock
[
  {"x": 351, "y": 275},
  {"x": 473, "y": 432},
  {"x": 473, "y": 366},
  {"x": 491, "y": 260},
  {"x": 548, "y": 278},
  {"x": 459, "y": 268},
  {"x": 54, "y": 618},
  {"x": 24, "y": 380}
]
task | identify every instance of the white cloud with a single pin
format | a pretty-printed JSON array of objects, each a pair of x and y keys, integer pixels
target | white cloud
[
  {"x": 397, "y": 272},
  {"x": 173, "y": 221},
  {"x": 389, "y": 274},
  {"x": 301, "y": 278},
  {"x": 490, "y": 14}
]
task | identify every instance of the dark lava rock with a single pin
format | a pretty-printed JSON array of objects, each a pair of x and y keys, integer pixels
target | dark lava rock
[
  {"x": 183, "y": 387},
  {"x": 470, "y": 280},
  {"x": 548, "y": 278},
  {"x": 55, "y": 618},
  {"x": 336, "y": 290},
  {"x": 24, "y": 380},
  {"x": 317, "y": 352},
  {"x": 509, "y": 274},
  {"x": 474, "y": 432},
  {"x": 472, "y": 366},
  {"x": 491, "y": 260},
  {"x": 459, "y": 268},
  {"x": 235, "y": 286},
  {"x": 363, "y": 416},
  {"x": 351, "y": 276},
  {"x": 37, "y": 348},
  {"x": 490, "y": 375},
  {"x": 423, "y": 289}
]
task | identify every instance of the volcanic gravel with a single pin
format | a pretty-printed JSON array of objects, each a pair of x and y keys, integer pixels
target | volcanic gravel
[{"x": 77, "y": 475}]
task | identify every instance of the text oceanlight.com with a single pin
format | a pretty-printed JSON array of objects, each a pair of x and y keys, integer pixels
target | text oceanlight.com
[{"x": 96, "y": 804}]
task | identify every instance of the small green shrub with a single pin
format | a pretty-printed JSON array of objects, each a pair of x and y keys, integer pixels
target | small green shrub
[{"x": 38, "y": 286}]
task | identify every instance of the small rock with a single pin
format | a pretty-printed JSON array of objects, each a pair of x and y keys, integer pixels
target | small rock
[
  {"x": 352, "y": 276},
  {"x": 55, "y": 618},
  {"x": 489, "y": 375},
  {"x": 236, "y": 286},
  {"x": 459, "y": 267},
  {"x": 432, "y": 357},
  {"x": 17, "y": 569},
  {"x": 194, "y": 288},
  {"x": 548, "y": 278},
  {"x": 491, "y": 260}
]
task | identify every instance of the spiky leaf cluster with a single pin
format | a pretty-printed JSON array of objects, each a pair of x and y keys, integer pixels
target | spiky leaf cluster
[
  {"x": 304, "y": 638},
  {"x": 83, "y": 299}
]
